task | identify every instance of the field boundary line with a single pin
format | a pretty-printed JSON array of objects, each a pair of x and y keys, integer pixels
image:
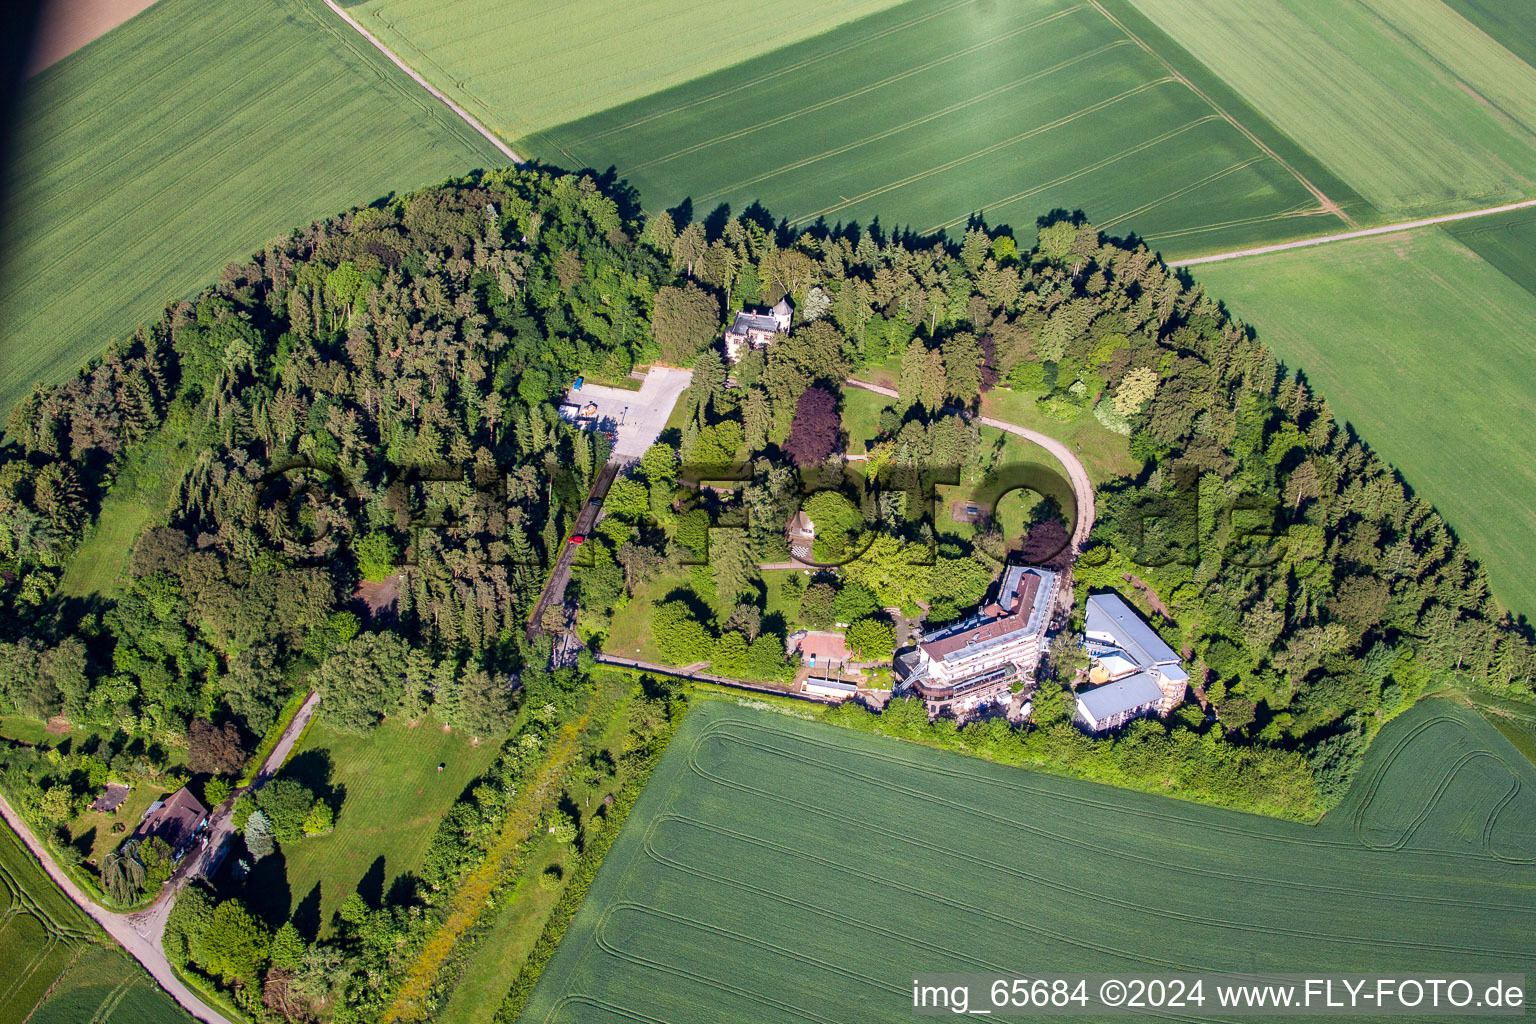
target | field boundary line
[
  {"x": 490, "y": 136},
  {"x": 777, "y": 73},
  {"x": 1344, "y": 236},
  {"x": 1327, "y": 204}
]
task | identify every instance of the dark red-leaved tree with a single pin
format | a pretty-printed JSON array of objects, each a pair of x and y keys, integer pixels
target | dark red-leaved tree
[{"x": 813, "y": 434}]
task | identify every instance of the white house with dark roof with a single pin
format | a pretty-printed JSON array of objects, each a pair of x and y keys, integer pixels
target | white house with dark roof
[
  {"x": 751, "y": 331},
  {"x": 1137, "y": 672},
  {"x": 968, "y": 665}
]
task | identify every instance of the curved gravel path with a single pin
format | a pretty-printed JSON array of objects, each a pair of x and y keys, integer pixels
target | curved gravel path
[{"x": 1082, "y": 486}]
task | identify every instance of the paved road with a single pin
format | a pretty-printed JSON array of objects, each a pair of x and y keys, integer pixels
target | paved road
[
  {"x": 1346, "y": 235},
  {"x": 139, "y": 933},
  {"x": 1082, "y": 487},
  {"x": 490, "y": 137},
  {"x": 554, "y": 589},
  {"x": 643, "y": 414}
]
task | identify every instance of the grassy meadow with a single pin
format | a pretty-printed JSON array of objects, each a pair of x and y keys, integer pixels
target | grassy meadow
[
  {"x": 922, "y": 114},
  {"x": 187, "y": 138},
  {"x": 63, "y": 970},
  {"x": 1417, "y": 108},
  {"x": 779, "y": 870},
  {"x": 1425, "y": 349},
  {"x": 393, "y": 798}
]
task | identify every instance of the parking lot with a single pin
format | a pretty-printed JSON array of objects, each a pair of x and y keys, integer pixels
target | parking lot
[{"x": 637, "y": 416}]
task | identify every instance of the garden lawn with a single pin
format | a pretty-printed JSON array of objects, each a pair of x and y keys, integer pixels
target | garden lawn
[
  {"x": 1417, "y": 108},
  {"x": 1424, "y": 348},
  {"x": 1104, "y": 453},
  {"x": 92, "y": 831},
  {"x": 184, "y": 139},
  {"x": 630, "y": 633},
  {"x": 861, "y": 417},
  {"x": 394, "y": 797},
  {"x": 768, "y": 875}
]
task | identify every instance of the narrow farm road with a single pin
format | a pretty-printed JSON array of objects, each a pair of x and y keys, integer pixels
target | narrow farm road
[
  {"x": 144, "y": 949},
  {"x": 140, "y": 932},
  {"x": 1343, "y": 236},
  {"x": 1082, "y": 486},
  {"x": 490, "y": 136}
]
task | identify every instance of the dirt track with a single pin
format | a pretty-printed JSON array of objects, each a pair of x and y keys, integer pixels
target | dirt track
[
  {"x": 1342, "y": 236},
  {"x": 490, "y": 136}
]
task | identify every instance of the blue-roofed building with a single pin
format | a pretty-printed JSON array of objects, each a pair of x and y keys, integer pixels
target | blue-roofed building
[{"x": 1137, "y": 672}]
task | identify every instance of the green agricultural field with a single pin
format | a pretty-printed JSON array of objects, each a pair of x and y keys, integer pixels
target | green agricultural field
[
  {"x": 1417, "y": 108},
  {"x": 1514, "y": 25},
  {"x": 62, "y": 971},
  {"x": 103, "y": 986},
  {"x": 1425, "y": 349},
  {"x": 394, "y": 797},
  {"x": 930, "y": 111},
  {"x": 778, "y": 870},
  {"x": 185, "y": 139},
  {"x": 916, "y": 114},
  {"x": 1506, "y": 240},
  {"x": 493, "y": 57}
]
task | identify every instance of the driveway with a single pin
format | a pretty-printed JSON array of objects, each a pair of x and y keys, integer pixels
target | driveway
[
  {"x": 640, "y": 415},
  {"x": 140, "y": 932}
]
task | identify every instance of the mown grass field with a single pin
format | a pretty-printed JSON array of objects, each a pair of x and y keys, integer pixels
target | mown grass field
[
  {"x": 52, "y": 950},
  {"x": 493, "y": 57},
  {"x": 1413, "y": 105},
  {"x": 394, "y": 798},
  {"x": 187, "y": 138},
  {"x": 922, "y": 114},
  {"x": 783, "y": 870},
  {"x": 1425, "y": 349}
]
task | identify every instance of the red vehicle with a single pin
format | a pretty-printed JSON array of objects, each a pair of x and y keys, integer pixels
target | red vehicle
[{"x": 577, "y": 538}]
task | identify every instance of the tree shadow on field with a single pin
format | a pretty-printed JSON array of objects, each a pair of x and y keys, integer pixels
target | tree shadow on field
[
  {"x": 306, "y": 916},
  {"x": 267, "y": 892},
  {"x": 371, "y": 886}
]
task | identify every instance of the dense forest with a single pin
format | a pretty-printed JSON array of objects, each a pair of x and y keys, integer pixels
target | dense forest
[{"x": 365, "y": 473}]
